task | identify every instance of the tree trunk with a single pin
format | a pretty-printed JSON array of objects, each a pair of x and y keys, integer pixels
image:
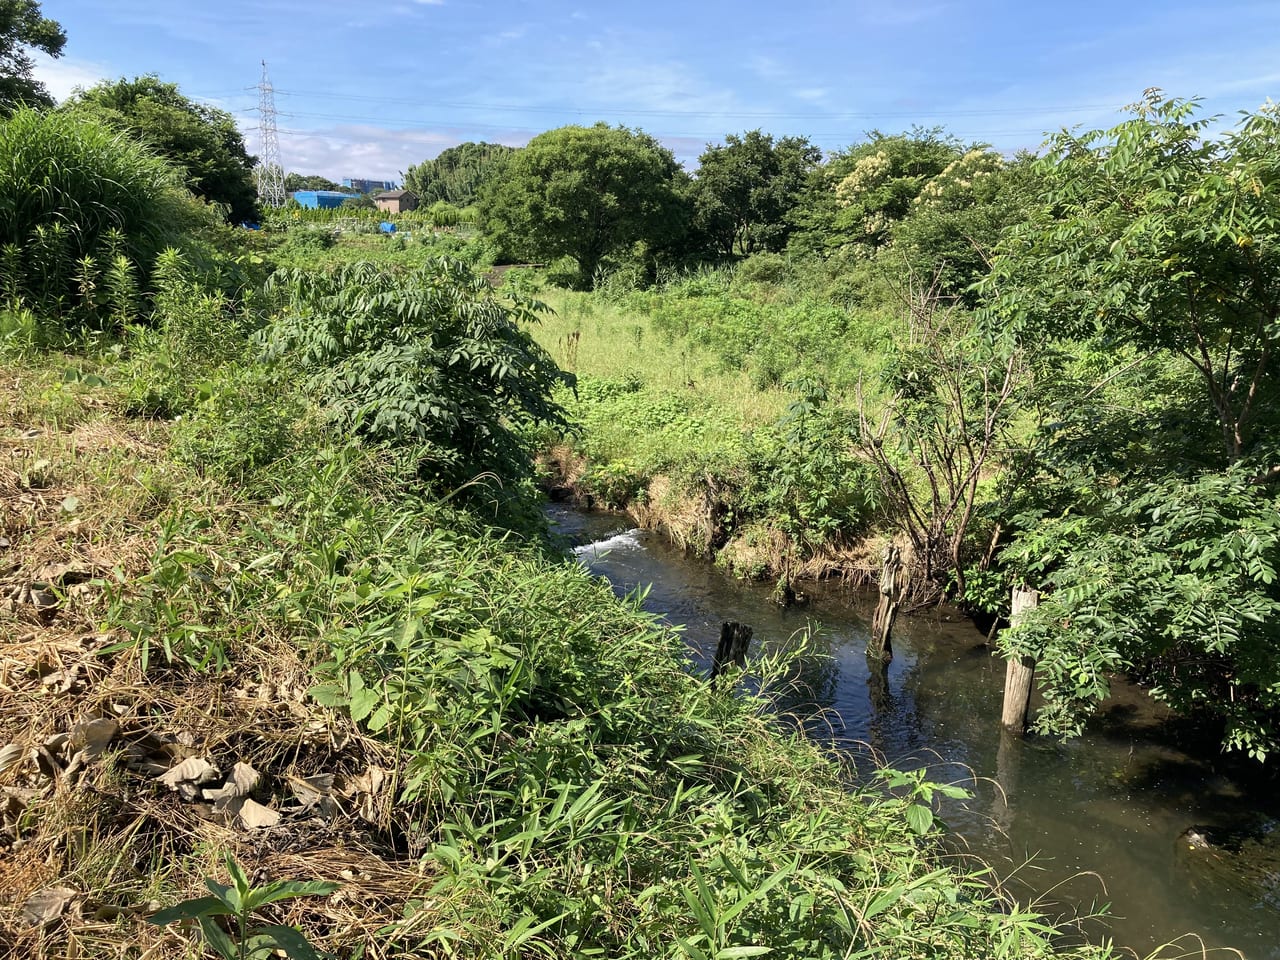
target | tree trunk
[{"x": 1020, "y": 672}]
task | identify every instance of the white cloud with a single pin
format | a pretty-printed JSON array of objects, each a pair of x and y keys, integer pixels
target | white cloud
[
  {"x": 365, "y": 150},
  {"x": 812, "y": 94},
  {"x": 63, "y": 75}
]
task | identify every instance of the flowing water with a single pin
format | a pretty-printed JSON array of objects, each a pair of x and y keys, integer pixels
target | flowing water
[{"x": 1099, "y": 820}]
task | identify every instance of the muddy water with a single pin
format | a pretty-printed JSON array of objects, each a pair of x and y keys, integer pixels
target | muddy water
[{"x": 1075, "y": 826}]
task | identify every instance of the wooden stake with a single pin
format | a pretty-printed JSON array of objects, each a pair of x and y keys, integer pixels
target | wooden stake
[
  {"x": 1020, "y": 672},
  {"x": 879, "y": 645},
  {"x": 732, "y": 648}
]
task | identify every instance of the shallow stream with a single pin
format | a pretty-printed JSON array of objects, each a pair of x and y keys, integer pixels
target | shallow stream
[{"x": 1099, "y": 820}]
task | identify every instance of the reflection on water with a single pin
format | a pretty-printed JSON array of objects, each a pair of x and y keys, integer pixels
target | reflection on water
[{"x": 1101, "y": 818}]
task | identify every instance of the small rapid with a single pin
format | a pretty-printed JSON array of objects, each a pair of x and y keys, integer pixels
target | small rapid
[{"x": 627, "y": 540}]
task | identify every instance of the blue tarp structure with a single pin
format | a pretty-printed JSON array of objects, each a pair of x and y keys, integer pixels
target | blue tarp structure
[
  {"x": 321, "y": 199},
  {"x": 386, "y": 226}
]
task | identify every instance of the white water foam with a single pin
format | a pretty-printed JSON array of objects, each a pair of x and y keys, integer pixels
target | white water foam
[{"x": 629, "y": 540}]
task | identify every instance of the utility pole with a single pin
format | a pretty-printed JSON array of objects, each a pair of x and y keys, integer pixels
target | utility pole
[{"x": 269, "y": 172}]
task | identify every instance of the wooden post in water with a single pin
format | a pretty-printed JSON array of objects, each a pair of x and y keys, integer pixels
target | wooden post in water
[
  {"x": 1020, "y": 672},
  {"x": 879, "y": 645},
  {"x": 732, "y": 648}
]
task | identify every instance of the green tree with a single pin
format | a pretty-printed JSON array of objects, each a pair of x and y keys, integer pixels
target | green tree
[
  {"x": 854, "y": 200},
  {"x": 298, "y": 181},
  {"x": 745, "y": 189},
  {"x": 458, "y": 173},
  {"x": 1154, "y": 247},
  {"x": 584, "y": 193},
  {"x": 1163, "y": 238},
  {"x": 202, "y": 140},
  {"x": 22, "y": 26},
  {"x": 953, "y": 225}
]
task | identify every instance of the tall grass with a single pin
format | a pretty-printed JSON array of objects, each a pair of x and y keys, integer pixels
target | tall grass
[{"x": 75, "y": 197}]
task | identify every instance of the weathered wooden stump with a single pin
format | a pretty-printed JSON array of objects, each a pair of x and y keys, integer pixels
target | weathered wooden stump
[
  {"x": 735, "y": 638},
  {"x": 1020, "y": 672},
  {"x": 879, "y": 645},
  {"x": 1008, "y": 761}
]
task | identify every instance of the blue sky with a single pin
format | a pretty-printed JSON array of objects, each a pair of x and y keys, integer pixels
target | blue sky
[{"x": 365, "y": 89}]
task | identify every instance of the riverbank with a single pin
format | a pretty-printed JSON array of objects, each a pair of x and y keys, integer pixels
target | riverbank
[
  {"x": 762, "y": 475},
  {"x": 313, "y": 670},
  {"x": 1100, "y": 818}
]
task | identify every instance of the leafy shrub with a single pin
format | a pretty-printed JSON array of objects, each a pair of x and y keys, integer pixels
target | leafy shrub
[
  {"x": 564, "y": 273},
  {"x": 309, "y": 239},
  {"x": 598, "y": 389},
  {"x": 1177, "y": 581},
  {"x": 763, "y": 268},
  {"x": 811, "y": 338},
  {"x": 430, "y": 359},
  {"x": 804, "y": 475},
  {"x": 197, "y": 330},
  {"x": 444, "y": 214},
  {"x": 521, "y": 281},
  {"x": 20, "y": 332},
  {"x": 729, "y": 326},
  {"x": 79, "y": 200},
  {"x": 244, "y": 421}
]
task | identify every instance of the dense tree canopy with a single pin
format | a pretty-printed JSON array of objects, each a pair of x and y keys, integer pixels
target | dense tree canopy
[
  {"x": 953, "y": 225},
  {"x": 585, "y": 193},
  {"x": 458, "y": 173},
  {"x": 864, "y": 190},
  {"x": 298, "y": 181},
  {"x": 203, "y": 140},
  {"x": 22, "y": 26},
  {"x": 1155, "y": 247},
  {"x": 745, "y": 189},
  {"x": 1160, "y": 237}
]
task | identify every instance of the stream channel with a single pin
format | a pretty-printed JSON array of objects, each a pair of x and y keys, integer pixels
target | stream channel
[{"x": 1097, "y": 820}]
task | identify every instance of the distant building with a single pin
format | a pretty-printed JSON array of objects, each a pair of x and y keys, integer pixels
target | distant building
[
  {"x": 396, "y": 201},
  {"x": 320, "y": 199},
  {"x": 368, "y": 186}
]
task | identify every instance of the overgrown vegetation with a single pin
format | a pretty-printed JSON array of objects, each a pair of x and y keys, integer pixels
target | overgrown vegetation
[
  {"x": 260, "y": 620},
  {"x": 1011, "y": 356},
  {"x": 279, "y": 602},
  {"x": 86, "y": 212}
]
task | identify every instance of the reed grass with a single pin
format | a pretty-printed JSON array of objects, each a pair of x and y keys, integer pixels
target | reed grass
[{"x": 76, "y": 199}]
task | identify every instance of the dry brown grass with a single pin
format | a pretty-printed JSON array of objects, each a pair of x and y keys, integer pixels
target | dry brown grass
[{"x": 79, "y": 496}]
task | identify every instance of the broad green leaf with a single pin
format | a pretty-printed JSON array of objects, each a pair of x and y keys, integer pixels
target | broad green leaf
[
  {"x": 190, "y": 910},
  {"x": 295, "y": 946},
  {"x": 286, "y": 890},
  {"x": 919, "y": 817},
  {"x": 218, "y": 938}
]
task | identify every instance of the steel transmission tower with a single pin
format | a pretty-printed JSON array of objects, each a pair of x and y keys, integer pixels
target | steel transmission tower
[{"x": 270, "y": 172}]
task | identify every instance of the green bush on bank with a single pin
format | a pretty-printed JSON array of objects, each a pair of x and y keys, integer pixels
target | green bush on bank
[{"x": 84, "y": 212}]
